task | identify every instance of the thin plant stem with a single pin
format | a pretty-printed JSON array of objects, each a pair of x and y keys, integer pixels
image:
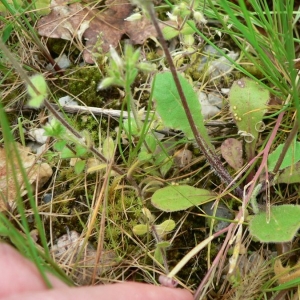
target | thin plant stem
[
  {"x": 210, "y": 155},
  {"x": 229, "y": 229},
  {"x": 53, "y": 111},
  {"x": 286, "y": 146}
]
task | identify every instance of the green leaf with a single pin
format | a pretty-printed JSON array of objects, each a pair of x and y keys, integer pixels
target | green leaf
[
  {"x": 54, "y": 129},
  {"x": 158, "y": 250},
  {"x": 158, "y": 255},
  {"x": 79, "y": 166},
  {"x": 282, "y": 227},
  {"x": 165, "y": 166},
  {"x": 108, "y": 148},
  {"x": 292, "y": 156},
  {"x": 43, "y": 7},
  {"x": 187, "y": 29},
  {"x": 151, "y": 142},
  {"x": 163, "y": 244},
  {"x": 15, "y": 4},
  {"x": 59, "y": 145},
  {"x": 130, "y": 128},
  {"x": 144, "y": 156},
  {"x": 289, "y": 175},
  {"x": 146, "y": 153},
  {"x": 170, "y": 108},
  {"x": 67, "y": 153},
  {"x": 140, "y": 229},
  {"x": 248, "y": 104},
  {"x": 37, "y": 97},
  {"x": 165, "y": 227},
  {"x": 6, "y": 32},
  {"x": 169, "y": 32},
  {"x": 80, "y": 150},
  {"x": 180, "y": 197}
]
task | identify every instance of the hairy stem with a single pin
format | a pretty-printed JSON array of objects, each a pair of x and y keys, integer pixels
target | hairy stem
[{"x": 210, "y": 155}]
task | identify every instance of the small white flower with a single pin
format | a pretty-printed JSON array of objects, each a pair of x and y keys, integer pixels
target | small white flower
[
  {"x": 172, "y": 17},
  {"x": 199, "y": 17}
]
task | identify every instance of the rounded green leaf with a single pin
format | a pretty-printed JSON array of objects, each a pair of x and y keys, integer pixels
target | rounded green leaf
[
  {"x": 180, "y": 197},
  {"x": 40, "y": 92},
  {"x": 187, "y": 29},
  {"x": 248, "y": 104},
  {"x": 289, "y": 175},
  {"x": 169, "y": 32},
  {"x": 170, "y": 109},
  {"x": 140, "y": 229},
  {"x": 282, "y": 227},
  {"x": 165, "y": 227},
  {"x": 79, "y": 166}
]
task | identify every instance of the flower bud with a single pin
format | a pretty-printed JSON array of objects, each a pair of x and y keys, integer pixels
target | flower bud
[
  {"x": 134, "y": 17},
  {"x": 105, "y": 83},
  {"x": 115, "y": 56},
  {"x": 199, "y": 17}
]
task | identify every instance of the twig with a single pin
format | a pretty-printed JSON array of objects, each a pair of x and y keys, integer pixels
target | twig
[{"x": 114, "y": 113}]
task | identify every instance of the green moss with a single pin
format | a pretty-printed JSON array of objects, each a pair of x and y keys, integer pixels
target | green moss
[
  {"x": 152, "y": 55},
  {"x": 82, "y": 83},
  {"x": 58, "y": 46},
  {"x": 124, "y": 213}
]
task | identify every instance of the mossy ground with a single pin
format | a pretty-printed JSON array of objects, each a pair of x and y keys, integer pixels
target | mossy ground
[{"x": 74, "y": 194}]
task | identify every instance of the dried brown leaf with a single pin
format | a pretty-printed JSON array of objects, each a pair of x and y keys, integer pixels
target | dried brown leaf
[
  {"x": 75, "y": 21},
  {"x": 36, "y": 173},
  {"x": 232, "y": 152},
  {"x": 139, "y": 31}
]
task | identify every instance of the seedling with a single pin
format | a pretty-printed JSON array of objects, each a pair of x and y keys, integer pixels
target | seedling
[{"x": 159, "y": 231}]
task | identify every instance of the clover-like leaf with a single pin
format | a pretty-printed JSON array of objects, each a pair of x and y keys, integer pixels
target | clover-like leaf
[{"x": 140, "y": 229}]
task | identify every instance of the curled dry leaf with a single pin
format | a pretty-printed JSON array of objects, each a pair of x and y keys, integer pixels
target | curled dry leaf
[
  {"x": 68, "y": 252},
  {"x": 232, "y": 152},
  {"x": 36, "y": 173},
  {"x": 76, "y": 21}
]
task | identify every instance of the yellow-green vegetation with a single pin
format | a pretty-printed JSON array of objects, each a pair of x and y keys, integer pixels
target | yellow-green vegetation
[
  {"x": 123, "y": 212},
  {"x": 82, "y": 83},
  {"x": 135, "y": 181}
]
